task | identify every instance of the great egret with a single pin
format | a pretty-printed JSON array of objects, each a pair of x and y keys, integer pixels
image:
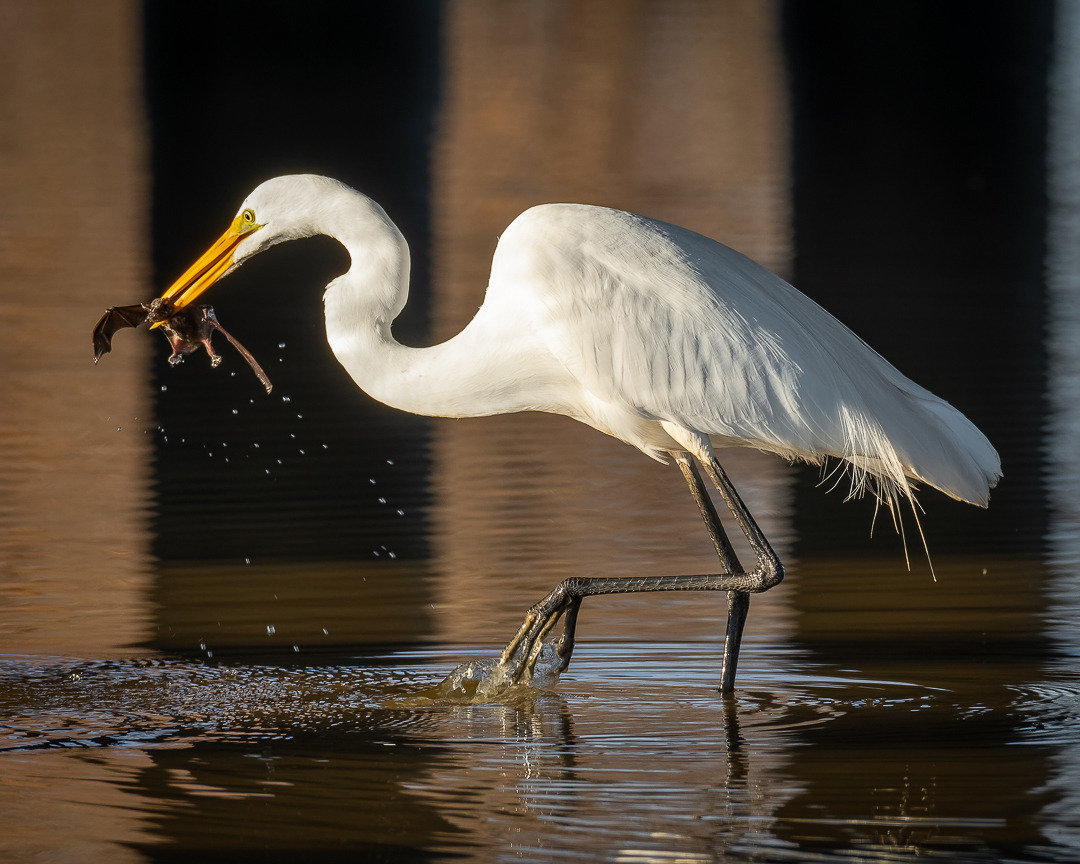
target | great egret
[{"x": 658, "y": 336}]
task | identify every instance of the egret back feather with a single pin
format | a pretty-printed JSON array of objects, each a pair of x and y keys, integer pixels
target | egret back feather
[{"x": 672, "y": 326}]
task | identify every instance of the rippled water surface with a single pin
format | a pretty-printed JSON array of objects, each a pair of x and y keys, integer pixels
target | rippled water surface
[
  {"x": 633, "y": 757},
  {"x": 222, "y": 613}
]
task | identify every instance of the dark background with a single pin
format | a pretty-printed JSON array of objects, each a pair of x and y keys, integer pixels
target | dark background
[{"x": 345, "y": 90}]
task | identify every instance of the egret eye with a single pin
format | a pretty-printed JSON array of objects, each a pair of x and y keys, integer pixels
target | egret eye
[{"x": 248, "y": 216}]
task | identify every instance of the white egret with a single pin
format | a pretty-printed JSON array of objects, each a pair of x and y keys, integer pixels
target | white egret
[{"x": 660, "y": 337}]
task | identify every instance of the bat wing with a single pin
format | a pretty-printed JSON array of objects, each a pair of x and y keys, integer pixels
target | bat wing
[{"x": 115, "y": 318}]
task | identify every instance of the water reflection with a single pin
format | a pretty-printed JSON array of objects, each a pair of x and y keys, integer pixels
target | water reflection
[
  {"x": 1057, "y": 703},
  {"x": 306, "y": 758},
  {"x": 527, "y": 86},
  {"x": 74, "y": 494}
]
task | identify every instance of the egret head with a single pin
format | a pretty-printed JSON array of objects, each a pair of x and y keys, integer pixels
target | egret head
[{"x": 283, "y": 208}]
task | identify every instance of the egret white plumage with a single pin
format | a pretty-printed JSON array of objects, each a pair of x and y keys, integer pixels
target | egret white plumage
[{"x": 651, "y": 333}]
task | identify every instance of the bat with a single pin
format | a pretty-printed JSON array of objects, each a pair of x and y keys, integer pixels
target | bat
[
  {"x": 191, "y": 329},
  {"x": 187, "y": 330}
]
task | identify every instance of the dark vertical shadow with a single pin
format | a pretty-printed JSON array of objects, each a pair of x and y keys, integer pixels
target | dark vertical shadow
[
  {"x": 919, "y": 212},
  {"x": 919, "y": 134},
  {"x": 239, "y": 93}
]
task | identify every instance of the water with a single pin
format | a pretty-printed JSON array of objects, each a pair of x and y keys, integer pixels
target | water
[
  {"x": 632, "y": 758},
  {"x": 222, "y": 614}
]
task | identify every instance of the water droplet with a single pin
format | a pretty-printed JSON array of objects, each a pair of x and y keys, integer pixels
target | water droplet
[
  {"x": 325, "y": 632},
  {"x": 400, "y": 512},
  {"x": 299, "y": 416},
  {"x": 119, "y": 428},
  {"x": 392, "y": 554},
  {"x": 302, "y": 453},
  {"x": 371, "y": 480},
  {"x": 247, "y": 560},
  {"x": 256, "y": 445},
  {"x": 296, "y": 648},
  {"x": 325, "y": 446},
  {"x": 235, "y": 411},
  {"x": 202, "y": 646},
  {"x": 209, "y": 653},
  {"x": 164, "y": 387},
  {"x": 389, "y": 461},
  {"x": 270, "y": 630},
  {"x": 286, "y": 399},
  {"x": 280, "y": 344},
  {"x": 382, "y": 500}
]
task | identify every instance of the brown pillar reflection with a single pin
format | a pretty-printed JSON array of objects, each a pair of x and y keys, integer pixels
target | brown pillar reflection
[
  {"x": 675, "y": 111},
  {"x": 73, "y": 182}
]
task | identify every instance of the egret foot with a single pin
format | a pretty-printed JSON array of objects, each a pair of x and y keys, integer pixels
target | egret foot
[
  {"x": 519, "y": 661},
  {"x": 481, "y": 681}
]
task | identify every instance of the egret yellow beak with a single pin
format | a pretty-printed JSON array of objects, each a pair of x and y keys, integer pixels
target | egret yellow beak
[{"x": 211, "y": 265}]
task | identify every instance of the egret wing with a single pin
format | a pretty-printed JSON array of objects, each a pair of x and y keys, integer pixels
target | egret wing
[{"x": 678, "y": 327}]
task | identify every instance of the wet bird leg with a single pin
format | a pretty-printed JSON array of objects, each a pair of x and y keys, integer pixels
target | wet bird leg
[{"x": 520, "y": 655}]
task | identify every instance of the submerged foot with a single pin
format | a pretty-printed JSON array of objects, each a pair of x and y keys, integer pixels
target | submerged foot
[
  {"x": 476, "y": 682},
  {"x": 528, "y": 664}
]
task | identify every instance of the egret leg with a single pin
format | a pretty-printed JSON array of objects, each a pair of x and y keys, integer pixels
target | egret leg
[
  {"x": 520, "y": 655},
  {"x": 738, "y": 601},
  {"x": 769, "y": 566},
  {"x": 738, "y": 606}
]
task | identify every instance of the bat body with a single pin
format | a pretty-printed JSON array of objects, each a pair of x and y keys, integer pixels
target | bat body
[{"x": 187, "y": 330}]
